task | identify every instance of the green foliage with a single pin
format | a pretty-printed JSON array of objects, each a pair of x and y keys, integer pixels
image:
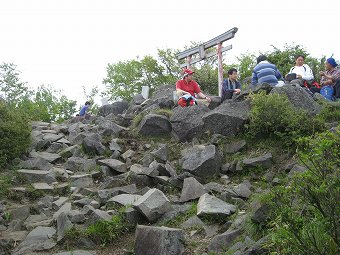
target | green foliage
[
  {"x": 102, "y": 232},
  {"x": 246, "y": 64},
  {"x": 5, "y": 184},
  {"x": 305, "y": 216},
  {"x": 15, "y": 133},
  {"x": 330, "y": 113},
  {"x": 272, "y": 116},
  {"x": 51, "y": 105},
  {"x": 207, "y": 78},
  {"x": 44, "y": 104},
  {"x": 13, "y": 91},
  {"x": 126, "y": 78}
]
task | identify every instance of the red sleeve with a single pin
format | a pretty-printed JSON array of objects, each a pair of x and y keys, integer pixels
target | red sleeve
[
  {"x": 196, "y": 87},
  {"x": 179, "y": 84}
]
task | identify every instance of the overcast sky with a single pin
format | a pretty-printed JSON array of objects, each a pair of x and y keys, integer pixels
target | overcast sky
[{"x": 68, "y": 43}]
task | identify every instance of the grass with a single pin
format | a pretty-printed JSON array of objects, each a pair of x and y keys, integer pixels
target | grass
[
  {"x": 102, "y": 232},
  {"x": 181, "y": 218}
]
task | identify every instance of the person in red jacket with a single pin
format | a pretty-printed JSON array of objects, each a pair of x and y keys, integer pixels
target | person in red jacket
[{"x": 187, "y": 89}]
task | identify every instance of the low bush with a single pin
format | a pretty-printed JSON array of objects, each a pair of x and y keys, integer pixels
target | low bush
[
  {"x": 272, "y": 116},
  {"x": 15, "y": 133},
  {"x": 305, "y": 215}
]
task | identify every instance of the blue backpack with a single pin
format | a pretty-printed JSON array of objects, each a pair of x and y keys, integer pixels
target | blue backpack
[{"x": 327, "y": 92}]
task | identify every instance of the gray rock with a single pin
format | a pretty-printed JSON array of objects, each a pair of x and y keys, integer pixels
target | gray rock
[
  {"x": 159, "y": 240},
  {"x": 36, "y": 163},
  {"x": 80, "y": 164},
  {"x": 81, "y": 180},
  {"x": 202, "y": 161},
  {"x": 50, "y": 157},
  {"x": 63, "y": 225},
  {"x": 116, "y": 108},
  {"x": 114, "y": 164},
  {"x": 235, "y": 146},
  {"x": 123, "y": 199},
  {"x": 162, "y": 153},
  {"x": 264, "y": 161},
  {"x": 39, "y": 239},
  {"x": 192, "y": 189},
  {"x": 109, "y": 128},
  {"x": 187, "y": 122},
  {"x": 154, "y": 125},
  {"x": 223, "y": 241},
  {"x": 37, "y": 176},
  {"x": 228, "y": 118},
  {"x": 153, "y": 204},
  {"x": 299, "y": 98},
  {"x": 210, "y": 205},
  {"x": 141, "y": 170},
  {"x": 92, "y": 145},
  {"x": 76, "y": 252}
]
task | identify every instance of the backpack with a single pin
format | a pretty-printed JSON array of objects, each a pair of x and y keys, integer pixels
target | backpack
[
  {"x": 186, "y": 100},
  {"x": 312, "y": 83},
  {"x": 327, "y": 92}
]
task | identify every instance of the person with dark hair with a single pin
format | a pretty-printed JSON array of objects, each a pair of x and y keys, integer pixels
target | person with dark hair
[
  {"x": 231, "y": 85},
  {"x": 187, "y": 89},
  {"x": 84, "y": 109},
  {"x": 300, "y": 71},
  {"x": 266, "y": 72}
]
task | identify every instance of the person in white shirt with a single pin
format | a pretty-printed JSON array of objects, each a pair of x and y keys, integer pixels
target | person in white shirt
[{"x": 301, "y": 70}]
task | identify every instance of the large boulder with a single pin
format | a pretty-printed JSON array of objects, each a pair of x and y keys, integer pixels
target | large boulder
[
  {"x": 159, "y": 240},
  {"x": 202, "y": 161},
  {"x": 228, "y": 118},
  {"x": 153, "y": 204},
  {"x": 115, "y": 108},
  {"x": 299, "y": 98},
  {"x": 187, "y": 122},
  {"x": 154, "y": 124}
]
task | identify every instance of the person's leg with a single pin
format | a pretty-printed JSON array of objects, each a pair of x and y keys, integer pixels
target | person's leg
[{"x": 314, "y": 90}]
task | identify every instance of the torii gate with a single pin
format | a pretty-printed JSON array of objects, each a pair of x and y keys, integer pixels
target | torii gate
[{"x": 202, "y": 54}]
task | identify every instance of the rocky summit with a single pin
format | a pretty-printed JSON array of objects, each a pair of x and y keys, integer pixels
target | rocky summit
[{"x": 171, "y": 183}]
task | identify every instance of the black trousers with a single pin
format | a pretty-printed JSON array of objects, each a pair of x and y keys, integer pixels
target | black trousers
[{"x": 337, "y": 89}]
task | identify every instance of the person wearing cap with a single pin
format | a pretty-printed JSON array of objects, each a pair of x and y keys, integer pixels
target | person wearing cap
[
  {"x": 265, "y": 72},
  {"x": 187, "y": 87},
  {"x": 331, "y": 76}
]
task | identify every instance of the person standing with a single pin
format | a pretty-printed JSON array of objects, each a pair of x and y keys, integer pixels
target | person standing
[
  {"x": 230, "y": 85},
  {"x": 266, "y": 72},
  {"x": 187, "y": 89}
]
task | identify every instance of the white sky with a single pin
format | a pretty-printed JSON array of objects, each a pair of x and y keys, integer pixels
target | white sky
[{"x": 68, "y": 43}]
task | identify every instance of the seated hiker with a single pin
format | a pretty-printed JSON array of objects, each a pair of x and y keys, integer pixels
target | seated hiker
[
  {"x": 187, "y": 89},
  {"x": 231, "y": 85},
  {"x": 330, "y": 80},
  {"x": 266, "y": 72},
  {"x": 300, "y": 72},
  {"x": 84, "y": 110}
]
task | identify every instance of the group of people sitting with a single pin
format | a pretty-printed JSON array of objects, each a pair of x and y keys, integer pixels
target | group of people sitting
[{"x": 265, "y": 72}]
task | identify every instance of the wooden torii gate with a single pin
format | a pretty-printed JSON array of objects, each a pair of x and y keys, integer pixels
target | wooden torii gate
[{"x": 203, "y": 55}]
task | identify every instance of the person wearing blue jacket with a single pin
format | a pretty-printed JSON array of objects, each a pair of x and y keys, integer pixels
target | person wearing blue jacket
[
  {"x": 265, "y": 72},
  {"x": 230, "y": 85}
]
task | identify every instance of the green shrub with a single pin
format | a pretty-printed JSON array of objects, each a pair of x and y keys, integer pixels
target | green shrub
[
  {"x": 102, "y": 232},
  {"x": 272, "y": 116},
  {"x": 330, "y": 113},
  {"x": 15, "y": 133},
  {"x": 305, "y": 218}
]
